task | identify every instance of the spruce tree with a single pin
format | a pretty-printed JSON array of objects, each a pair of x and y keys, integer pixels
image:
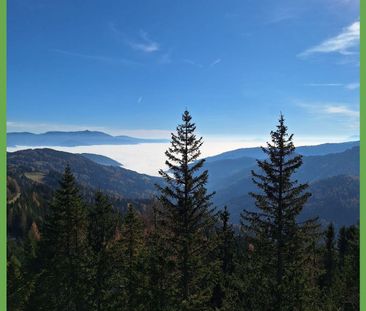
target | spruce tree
[
  {"x": 349, "y": 267},
  {"x": 158, "y": 268},
  {"x": 226, "y": 235},
  {"x": 330, "y": 280},
  {"x": 102, "y": 226},
  {"x": 30, "y": 266},
  {"x": 129, "y": 260},
  {"x": 63, "y": 282},
  {"x": 342, "y": 244},
  {"x": 279, "y": 239},
  {"x": 329, "y": 257},
  {"x": 223, "y": 292},
  {"x": 187, "y": 217}
]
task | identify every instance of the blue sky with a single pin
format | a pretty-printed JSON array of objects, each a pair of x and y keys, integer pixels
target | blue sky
[{"x": 132, "y": 67}]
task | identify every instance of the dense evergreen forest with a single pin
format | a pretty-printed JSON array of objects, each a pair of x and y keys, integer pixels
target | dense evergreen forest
[{"x": 183, "y": 253}]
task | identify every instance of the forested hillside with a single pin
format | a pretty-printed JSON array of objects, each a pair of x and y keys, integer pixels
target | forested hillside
[
  {"x": 78, "y": 248},
  {"x": 33, "y": 177},
  {"x": 36, "y": 172}
]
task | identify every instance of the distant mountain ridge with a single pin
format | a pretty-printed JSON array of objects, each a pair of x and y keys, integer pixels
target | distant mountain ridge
[
  {"x": 231, "y": 178},
  {"x": 73, "y": 139},
  {"x": 314, "y": 150}
]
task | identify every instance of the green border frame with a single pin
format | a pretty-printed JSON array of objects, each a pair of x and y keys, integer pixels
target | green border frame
[
  {"x": 3, "y": 11},
  {"x": 362, "y": 157},
  {"x": 3, "y": 155}
]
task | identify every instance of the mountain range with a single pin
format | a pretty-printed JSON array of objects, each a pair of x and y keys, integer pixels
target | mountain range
[
  {"x": 73, "y": 139},
  {"x": 332, "y": 170},
  {"x": 335, "y": 172}
]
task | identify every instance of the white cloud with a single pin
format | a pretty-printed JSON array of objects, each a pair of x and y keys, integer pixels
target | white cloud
[
  {"x": 342, "y": 43},
  {"x": 145, "y": 45},
  {"x": 331, "y": 109},
  {"x": 352, "y": 86},
  {"x": 215, "y": 62},
  {"x": 347, "y": 116},
  {"x": 348, "y": 86},
  {"x": 341, "y": 110}
]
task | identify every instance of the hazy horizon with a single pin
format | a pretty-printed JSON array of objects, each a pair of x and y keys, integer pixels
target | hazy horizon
[{"x": 149, "y": 158}]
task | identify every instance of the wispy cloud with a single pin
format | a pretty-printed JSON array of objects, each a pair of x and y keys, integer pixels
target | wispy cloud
[
  {"x": 348, "y": 86},
  {"x": 343, "y": 4},
  {"x": 114, "y": 30},
  {"x": 281, "y": 14},
  {"x": 145, "y": 44},
  {"x": 323, "y": 84},
  {"x": 341, "y": 110},
  {"x": 199, "y": 65},
  {"x": 352, "y": 86},
  {"x": 99, "y": 58},
  {"x": 165, "y": 58},
  {"x": 140, "y": 99},
  {"x": 215, "y": 62},
  {"x": 331, "y": 109},
  {"x": 343, "y": 43},
  {"x": 193, "y": 63}
]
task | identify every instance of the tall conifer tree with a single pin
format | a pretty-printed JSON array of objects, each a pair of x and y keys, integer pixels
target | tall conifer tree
[
  {"x": 64, "y": 251},
  {"x": 158, "y": 268},
  {"x": 349, "y": 259},
  {"x": 342, "y": 248},
  {"x": 128, "y": 254},
  {"x": 187, "y": 216},
  {"x": 102, "y": 227},
  {"x": 223, "y": 293},
  {"x": 329, "y": 256},
  {"x": 279, "y": 240}
]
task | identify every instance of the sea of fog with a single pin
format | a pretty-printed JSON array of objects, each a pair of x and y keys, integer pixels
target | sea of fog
[
  {"x": 142, "y": 158},
  {"x": 150, "y": 158}
]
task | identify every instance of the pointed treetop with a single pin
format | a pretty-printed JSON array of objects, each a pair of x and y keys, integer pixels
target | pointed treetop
[
  {"x": 225, "y": 214},
  {"x": 186, "y": 117},
  {"x": 282, "y": 118},
  {"x": 281, "y": 122},
  {"x": 67, "y": 170},
  {"x": 68, "y": 177}
]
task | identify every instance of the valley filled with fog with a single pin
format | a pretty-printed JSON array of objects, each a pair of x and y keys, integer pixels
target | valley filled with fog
[{"x": 143, "y": 158}]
